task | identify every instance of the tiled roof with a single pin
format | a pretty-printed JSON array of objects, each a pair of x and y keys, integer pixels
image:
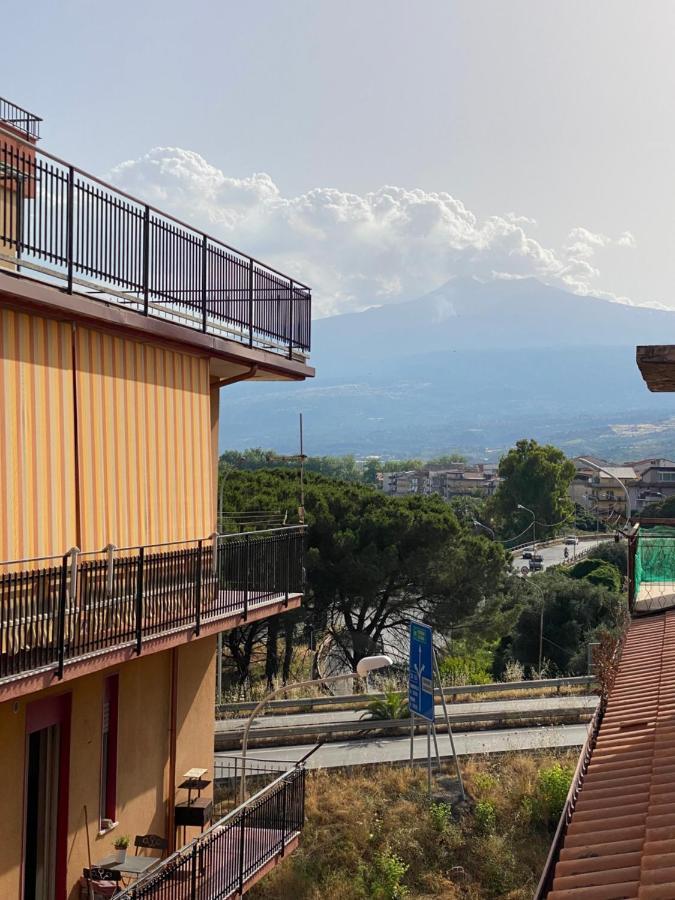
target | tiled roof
[{"x": 620, "y": 842}]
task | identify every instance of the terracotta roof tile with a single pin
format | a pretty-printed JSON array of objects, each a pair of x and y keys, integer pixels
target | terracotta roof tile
[{"x": 620, "y": 842}]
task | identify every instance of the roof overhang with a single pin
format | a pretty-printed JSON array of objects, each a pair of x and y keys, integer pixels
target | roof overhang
[{"x": 656, "y": 363}]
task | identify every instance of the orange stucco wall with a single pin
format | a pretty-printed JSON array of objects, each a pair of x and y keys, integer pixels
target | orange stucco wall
[
  {"x": 102, "y": 440},
  {"x": 143, "y": 790}
]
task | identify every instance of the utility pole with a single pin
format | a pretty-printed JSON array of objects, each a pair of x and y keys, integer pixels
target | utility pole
[{"x": 541, "y": 635}]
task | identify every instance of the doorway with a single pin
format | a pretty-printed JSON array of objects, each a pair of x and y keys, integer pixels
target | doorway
[{"x": 46, "y": 799}]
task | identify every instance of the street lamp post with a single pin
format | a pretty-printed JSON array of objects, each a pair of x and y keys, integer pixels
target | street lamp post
[
  {"x": 363, "y": 668},
  {"x": 534, "y": 525},
  {"x": 486, "y": 528}
]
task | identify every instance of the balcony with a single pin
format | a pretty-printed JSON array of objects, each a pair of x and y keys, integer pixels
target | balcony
[
  {"x": 56, "y": 613},
  {"x": 237, "y": 850},
  {"x": 20, "y": 119},
  {"x": 651, "y": 566},
  {"x": 69, "y": 228}
]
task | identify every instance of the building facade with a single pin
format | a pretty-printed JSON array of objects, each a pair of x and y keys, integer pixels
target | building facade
[{"x": 118, "y": 328}]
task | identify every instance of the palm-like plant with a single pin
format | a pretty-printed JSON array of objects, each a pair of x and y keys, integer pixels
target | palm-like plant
[{"x": 392, "y": 706}]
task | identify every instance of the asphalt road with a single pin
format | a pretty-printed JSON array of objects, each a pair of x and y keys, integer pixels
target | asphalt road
[
  {"x": 397, "y": 749},
  {"x": 583, "y": 703},
  {"x": 555, "y": 554}
]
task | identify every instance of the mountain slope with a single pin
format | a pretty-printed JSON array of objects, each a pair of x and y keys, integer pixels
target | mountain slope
[{"x": 470, "y": 366}]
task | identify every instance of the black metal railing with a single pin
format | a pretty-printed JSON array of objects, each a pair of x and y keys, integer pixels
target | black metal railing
[
  {"x": 220, "y": 862},
  {"x": 53, "y": 614},
  {"x": 227, "y": 773},
  {"x": 20, "y": 119},
  {"x": 60, "y": 222}
]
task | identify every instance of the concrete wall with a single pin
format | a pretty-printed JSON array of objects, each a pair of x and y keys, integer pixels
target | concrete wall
[{"x": 143, "y": 790}]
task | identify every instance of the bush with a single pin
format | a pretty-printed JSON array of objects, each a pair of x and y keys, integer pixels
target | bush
[
  {"x": 467, "y": 667},
  {"x": 441, "y": 816},
  {"x": 611, "y": 552},
  {"x": 485, "y": 817},
  {"x": 393, "y": 706},
  {"x": 547, "y": 801},
  {"x": 599, "y": 572},
  {"x": 386, "y": 875}
]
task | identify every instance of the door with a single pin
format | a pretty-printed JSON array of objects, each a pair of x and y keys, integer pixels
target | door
[{"x": 46, "y": 799}]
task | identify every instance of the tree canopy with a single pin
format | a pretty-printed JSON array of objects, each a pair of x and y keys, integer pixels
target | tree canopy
[
  {"x": 374, "y": 561},
  {"x": 574, "y": 612},
  {"x": 536, "y": 476}
]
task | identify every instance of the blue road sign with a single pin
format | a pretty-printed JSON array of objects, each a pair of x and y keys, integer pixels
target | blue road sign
[{"x": 421, "y": 677}]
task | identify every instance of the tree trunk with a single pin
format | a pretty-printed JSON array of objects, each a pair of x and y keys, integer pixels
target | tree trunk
[
  {"x": 289, "y": 635},
  {"x": 271, "y": 661}
]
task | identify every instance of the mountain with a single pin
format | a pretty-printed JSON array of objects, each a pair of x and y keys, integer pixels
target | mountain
[{"x": 470, "y": 366}]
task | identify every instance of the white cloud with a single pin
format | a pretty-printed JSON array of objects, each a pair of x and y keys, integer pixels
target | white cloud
[{"x": 357, "y": 251}]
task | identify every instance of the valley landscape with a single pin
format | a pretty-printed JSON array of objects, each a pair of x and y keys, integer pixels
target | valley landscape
[{"x": 470, "y": 367}]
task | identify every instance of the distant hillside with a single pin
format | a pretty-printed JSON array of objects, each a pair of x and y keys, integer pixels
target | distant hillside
[{"x": 469, "y": 367}]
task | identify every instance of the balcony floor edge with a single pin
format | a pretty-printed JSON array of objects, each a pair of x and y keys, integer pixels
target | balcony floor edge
[{"x": 33, "y": 682}]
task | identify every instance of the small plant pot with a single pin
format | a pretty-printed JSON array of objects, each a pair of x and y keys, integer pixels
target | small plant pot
[{"x": 121, "y": 855}]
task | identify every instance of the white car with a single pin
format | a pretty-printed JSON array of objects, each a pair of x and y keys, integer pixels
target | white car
[{"x": 570, "y": 539}]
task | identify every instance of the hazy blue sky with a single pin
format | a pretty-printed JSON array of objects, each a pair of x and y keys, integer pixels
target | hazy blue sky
[{"x": 561, "y": 112}]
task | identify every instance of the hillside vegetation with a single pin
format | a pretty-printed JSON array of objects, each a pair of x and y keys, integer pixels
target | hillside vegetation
[{"x": 372, "y": 834}]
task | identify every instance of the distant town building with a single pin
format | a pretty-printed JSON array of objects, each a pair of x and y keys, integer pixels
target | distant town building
[
  {"x": 461, "y": 479},
  {"x": 646, "y": 480}
]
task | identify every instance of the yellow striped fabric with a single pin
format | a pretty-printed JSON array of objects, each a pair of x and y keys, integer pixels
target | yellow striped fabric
[
  {"x": 140, "y": 417},
  {"x": 144, "y": 441},
  {"x": 37, "y": 467}
]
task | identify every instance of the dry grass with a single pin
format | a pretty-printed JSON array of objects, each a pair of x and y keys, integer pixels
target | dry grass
[{"x": 372, "y": 833}]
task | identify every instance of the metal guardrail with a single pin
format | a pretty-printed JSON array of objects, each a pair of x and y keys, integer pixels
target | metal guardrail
[
  {"x": 232, "y": 738},
  {"x": 357, "y": 701},
  {"x": 62, "y": 222},
  {"x": 222, "y": 860},
  {"x": 91, "y": 602}
]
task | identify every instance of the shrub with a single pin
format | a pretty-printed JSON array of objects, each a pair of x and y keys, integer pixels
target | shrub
[
  {"x": 393, "y": 706},
  {"x": 484, "y": 783},
  {"x": 387, "y": 872},
  {"x": 441, "y": 816},
  {"x": 485, "y": 817},
  {"x": 514, "y": 671},
  {"x": 611, "y": 552},
  {"x": 467, "y": 667},
  {"x": 597, "y": 571},
  {"x": 550, "y": 793}
]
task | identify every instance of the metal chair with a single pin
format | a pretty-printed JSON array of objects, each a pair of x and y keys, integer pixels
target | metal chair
[{"x": 151, "y": 842}]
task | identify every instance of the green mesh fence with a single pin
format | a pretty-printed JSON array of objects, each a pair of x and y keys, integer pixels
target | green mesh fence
[{"x": 654, "y": 561}]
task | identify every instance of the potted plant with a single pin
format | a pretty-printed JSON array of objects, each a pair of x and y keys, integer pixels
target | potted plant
[{"x": 121, "y": 845}]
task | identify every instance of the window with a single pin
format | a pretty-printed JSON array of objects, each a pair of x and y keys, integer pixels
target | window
[
  {"x": 108, "y": 796},
  {"x": 666, "y": 476}
]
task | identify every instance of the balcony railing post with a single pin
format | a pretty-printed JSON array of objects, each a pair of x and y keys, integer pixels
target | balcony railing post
[
  {"x": 242, "y": 838},
  {"x": 61, "y": 624},
  {"x": 193, "y": 873},
  {"x": 250, "y": 302},
  {"x": 68, "y": 593},
  {"x": 247, "y": 575},
  {"x": 139, "y": 600},
  {"x": 290, "y": 325},
  {"x": 146, "y": 259},
  {"x": 110, "y": 570},
  {"x": 198, "y": 589},
  {"x": 204, "y": 242},
  {"x": 288, "y": 567},
  {"x": 283, "y": 818},
  {"x": 70, "y": 225}
]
